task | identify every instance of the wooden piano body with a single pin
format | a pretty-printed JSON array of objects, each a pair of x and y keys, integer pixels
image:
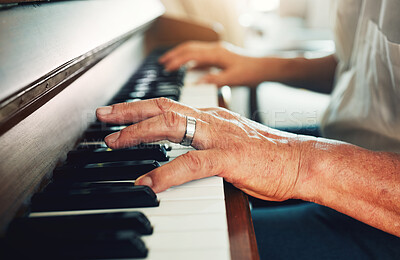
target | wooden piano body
[{"x": 58, "y": 62}]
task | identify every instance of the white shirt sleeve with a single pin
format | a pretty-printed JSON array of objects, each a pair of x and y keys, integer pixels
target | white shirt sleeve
[{"x": 365, "y": 103}]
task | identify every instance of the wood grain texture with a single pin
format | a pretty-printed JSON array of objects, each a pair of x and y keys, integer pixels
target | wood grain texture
[{"x": 242, "y": 239}]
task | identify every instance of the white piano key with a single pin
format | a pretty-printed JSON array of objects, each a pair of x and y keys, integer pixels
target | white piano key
[
  {"x": 201, "y": 254},
  {"x": 191, "y": 193},
  {"x": 214, "y": 221},
  {"x": 177, "y": 152},
  {"x": 176, "y": 146},
  {"x": 182, "y": 207},
  {"x": 198, "y": 95},
  {"x": 187, "y": 240},
  {"x": 213, "y": 181}
]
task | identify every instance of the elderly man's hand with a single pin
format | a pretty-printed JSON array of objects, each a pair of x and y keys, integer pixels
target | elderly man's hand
[{"x": 261, "y": 161}]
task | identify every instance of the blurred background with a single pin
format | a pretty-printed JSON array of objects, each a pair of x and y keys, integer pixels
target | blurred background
[{"x": 286, "y": 28}]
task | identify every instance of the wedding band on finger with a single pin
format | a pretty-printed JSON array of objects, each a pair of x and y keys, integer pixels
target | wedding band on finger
[{"x": 190, "y": 131}]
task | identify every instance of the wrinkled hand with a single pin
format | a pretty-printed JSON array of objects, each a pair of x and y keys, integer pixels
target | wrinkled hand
[
  {"x": 236, "y": 69},
  {"x": 260, "y": 161}
]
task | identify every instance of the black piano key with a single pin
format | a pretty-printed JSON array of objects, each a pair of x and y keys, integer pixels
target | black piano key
[
  {"x": 74, "y": 225},
  {"x": 100, "y": 133},
  {"x": 99, "y": 125},
  {"x": 154, "y": 94},
  {"x": 61, "y": 186},
  {"x": 128, "y": 99},
  {"x": 90, "y": 245},
  {"x": 123, "y": 100},
  {"x": 167, "y": 146},
  {"x": 104, "y": 126},
  {"x": 145, "y": 91},
  {"x": 152, "y": 72},
  {"x": 153, "y": 83},
  {"x": 105, "y": 171},
  {"x": 121, "y": 244},
  {"x": 91, "y": 145},
  {"x": 96, "y": 135},
  {"x": 100, "y": 197},
  {"x": 143, "y": 152},
  {"x": 57, "y": 187}
]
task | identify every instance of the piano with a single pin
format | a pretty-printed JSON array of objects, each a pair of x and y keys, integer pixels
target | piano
[{"x": 59, "y": 61}]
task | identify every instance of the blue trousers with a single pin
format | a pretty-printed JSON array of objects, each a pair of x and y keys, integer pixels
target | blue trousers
[{"x": 311, "y": 231}]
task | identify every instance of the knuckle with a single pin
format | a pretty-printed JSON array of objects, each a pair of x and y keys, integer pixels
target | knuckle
[
  {"x": 193, "y": 161},
  {"x": 124, "y": 140},
  {"x": 171, "y": 119},
  {"x": 164, "y": 104},
  {"x": 128, "y": 131},
  {"x": 211, "y": 164},
  {"x": 123, "y": 108}
]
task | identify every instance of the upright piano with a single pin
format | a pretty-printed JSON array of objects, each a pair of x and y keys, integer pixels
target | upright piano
[{"x": 61, "y": 60}]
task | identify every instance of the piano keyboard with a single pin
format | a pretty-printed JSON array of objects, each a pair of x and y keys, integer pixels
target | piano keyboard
[{"x": 190, "y": 220}]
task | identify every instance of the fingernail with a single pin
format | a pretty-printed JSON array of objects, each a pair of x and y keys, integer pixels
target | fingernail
[
  {"x": 145, "y": 181},
  {"x": 104, "y": 110},
  {"x": 112, "y": 137}
]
